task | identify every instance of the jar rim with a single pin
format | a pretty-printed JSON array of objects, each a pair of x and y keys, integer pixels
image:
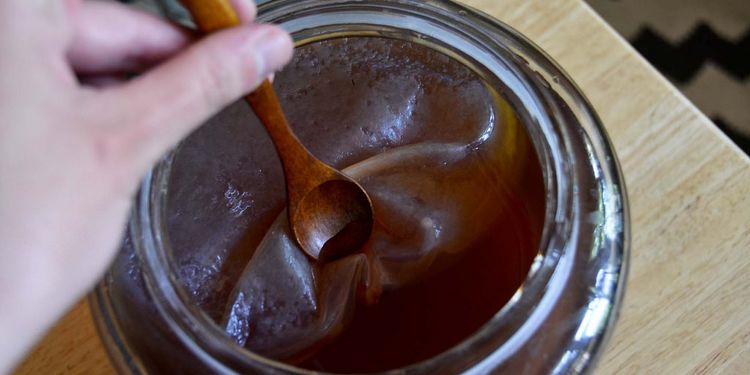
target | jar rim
[{"x": 550, "y": 92}]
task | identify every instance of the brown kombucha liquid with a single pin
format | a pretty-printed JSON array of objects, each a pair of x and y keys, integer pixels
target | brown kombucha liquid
[
  {"x": 415, "y": 323},
  {"x": 349, "y": 100}
]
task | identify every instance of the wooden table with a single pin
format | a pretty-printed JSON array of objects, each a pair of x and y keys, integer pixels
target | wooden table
[{"x": 687, "y": 304}]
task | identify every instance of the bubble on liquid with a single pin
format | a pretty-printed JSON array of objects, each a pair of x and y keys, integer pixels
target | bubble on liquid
[
  {"x": 198, "y": 274},
  {"x": 237, "y": 326},
  {"x": 236, "y": 200}
]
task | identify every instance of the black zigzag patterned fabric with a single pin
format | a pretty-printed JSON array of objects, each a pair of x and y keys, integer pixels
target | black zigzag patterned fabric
[
  {"x": 702, "y": 46},
  {"x": 683, "y": 60}
]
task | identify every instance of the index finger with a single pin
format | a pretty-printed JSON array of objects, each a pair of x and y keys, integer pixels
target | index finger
[{"x": 114, "y": 38}]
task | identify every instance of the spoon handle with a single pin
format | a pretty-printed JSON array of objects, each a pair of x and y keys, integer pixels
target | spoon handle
[
  {"x": 303, "y": 171},
  {"x": 212, "y": 15},
  {"x": 330, "y": 214}
]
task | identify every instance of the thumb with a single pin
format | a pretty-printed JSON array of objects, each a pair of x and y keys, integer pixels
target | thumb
[{"x": 164, "y": 105}]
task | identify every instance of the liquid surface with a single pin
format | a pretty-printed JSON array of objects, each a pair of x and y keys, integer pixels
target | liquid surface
[{"x": 458, "y": 200}]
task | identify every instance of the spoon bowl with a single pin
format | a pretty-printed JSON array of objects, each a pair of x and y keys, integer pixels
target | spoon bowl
[
  {"x": 332, "y": 219},
  {"x": 329, "y": 213}
]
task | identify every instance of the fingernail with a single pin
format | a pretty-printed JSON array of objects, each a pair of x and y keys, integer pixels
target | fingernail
[
  {"x": 245, "y": 9},
  {"x": 273, "y": 50}
]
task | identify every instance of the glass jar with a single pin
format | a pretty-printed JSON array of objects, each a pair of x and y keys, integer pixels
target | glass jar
[{"x": 558, "y": 321}]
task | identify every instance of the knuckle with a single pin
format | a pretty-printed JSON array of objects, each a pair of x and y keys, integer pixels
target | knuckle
[
  {"x": 109, "y": 147},
  {"x": 111, "y": 137},
  {"x": 113, "y": 155},
  {"x": 217, "y": 83}
]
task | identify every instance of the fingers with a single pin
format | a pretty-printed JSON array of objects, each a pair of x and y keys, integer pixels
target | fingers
[
  {"x": 171, "y": 100},
  {"x": 103, "y": 81},
  {"x": 112, "y": 38},
  {"x": 245, "y": 10}
]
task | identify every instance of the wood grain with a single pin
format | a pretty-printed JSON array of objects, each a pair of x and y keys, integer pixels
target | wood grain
[
  {"x": 687, "y": 305},
  {"x": 71, "y": 347}
]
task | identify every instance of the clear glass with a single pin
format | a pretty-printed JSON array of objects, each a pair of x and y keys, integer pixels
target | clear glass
[{"x": 560, "y": 318}]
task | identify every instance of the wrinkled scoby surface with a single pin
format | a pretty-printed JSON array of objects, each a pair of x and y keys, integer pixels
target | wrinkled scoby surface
[{"x": 456, "y": 189}]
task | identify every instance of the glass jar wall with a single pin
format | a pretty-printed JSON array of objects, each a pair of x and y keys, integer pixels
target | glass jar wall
[{"x": 438, "y": 74}]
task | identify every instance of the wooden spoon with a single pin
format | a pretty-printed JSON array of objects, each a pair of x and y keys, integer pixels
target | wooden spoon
[{"x": 329, "y": 213}]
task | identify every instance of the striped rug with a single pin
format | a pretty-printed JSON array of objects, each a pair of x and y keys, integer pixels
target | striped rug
[{"x": 702, "y": 46}]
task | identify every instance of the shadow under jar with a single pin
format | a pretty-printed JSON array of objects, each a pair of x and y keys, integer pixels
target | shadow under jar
[{"x": 501, "y": 234}]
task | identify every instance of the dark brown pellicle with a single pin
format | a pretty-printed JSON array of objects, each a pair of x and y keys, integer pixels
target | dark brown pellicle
[{"x": 456, "y": 187}]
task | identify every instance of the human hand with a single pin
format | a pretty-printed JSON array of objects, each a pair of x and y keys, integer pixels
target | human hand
[{"x": 76, "y": 136}]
